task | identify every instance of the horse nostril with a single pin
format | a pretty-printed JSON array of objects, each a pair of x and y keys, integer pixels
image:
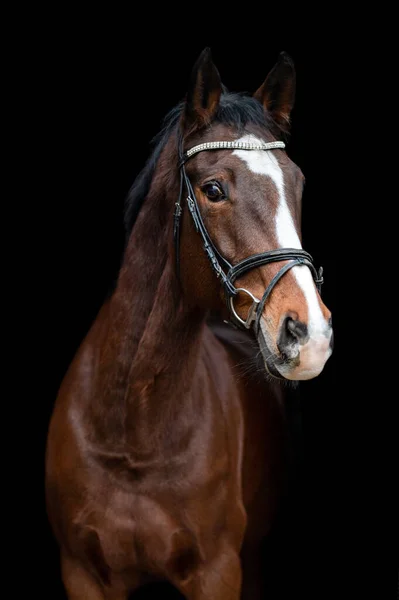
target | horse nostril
[
  {"x": 297, "y": 329},
  {"x": 292, "y": 333}
]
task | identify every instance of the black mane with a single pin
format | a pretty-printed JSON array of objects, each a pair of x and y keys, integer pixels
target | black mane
[{"x": 235, "y": 110}]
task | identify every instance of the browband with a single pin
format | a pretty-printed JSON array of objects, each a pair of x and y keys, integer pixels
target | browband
[{"x": 229, "y": 146}]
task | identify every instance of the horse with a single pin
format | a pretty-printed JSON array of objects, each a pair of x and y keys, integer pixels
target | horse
[{"x": 166, "y": 448}]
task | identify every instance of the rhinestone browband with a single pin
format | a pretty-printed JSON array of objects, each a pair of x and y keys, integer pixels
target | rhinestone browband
[{"x": 232, "y": 145}]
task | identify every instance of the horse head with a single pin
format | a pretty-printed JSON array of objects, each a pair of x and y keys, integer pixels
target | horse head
[{"x": 243, "y": 196}]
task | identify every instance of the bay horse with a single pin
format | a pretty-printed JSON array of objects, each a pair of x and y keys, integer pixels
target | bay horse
[{"x": 165, "y": 456}]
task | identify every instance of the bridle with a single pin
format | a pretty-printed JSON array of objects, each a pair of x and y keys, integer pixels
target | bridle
[{"x": 226, "y": 272}]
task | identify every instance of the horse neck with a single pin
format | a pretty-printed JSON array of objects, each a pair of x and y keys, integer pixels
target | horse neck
[{"x": 153, "y": 338}]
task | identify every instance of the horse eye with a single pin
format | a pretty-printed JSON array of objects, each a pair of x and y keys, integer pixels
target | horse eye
[{"x": 213, "y": 191}]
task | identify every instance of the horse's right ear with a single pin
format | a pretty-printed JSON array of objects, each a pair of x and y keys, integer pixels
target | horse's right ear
[{"x": 203, "y": 95}]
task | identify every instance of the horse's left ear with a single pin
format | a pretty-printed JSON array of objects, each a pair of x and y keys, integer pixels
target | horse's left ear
[
  {"x": 277, "y": 93},
  {"x": 203, "y": 95}
]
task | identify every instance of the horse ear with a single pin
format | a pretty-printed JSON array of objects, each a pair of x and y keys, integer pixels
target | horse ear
[
  {"x": 204, "y": 92},
  {"x": 277, "y": 93}
]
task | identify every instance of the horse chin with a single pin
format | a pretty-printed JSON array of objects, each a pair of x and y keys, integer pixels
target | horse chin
[{"x": 290, "y": 372}]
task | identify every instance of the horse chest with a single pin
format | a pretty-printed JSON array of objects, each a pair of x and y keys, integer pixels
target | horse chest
[{"x": 166, "y": 525}]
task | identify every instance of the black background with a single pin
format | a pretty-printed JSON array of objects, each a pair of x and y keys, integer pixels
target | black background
[{"x": 98, "y": 94}]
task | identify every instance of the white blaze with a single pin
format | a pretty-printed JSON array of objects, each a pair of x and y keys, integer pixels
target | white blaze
[{"x": 264, "y": 162}]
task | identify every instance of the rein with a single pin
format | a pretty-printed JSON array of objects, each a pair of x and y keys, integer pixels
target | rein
[{"x": 224, "y": 271}]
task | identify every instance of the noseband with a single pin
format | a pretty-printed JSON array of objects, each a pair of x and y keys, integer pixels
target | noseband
[{"x": 226, "y": 272}]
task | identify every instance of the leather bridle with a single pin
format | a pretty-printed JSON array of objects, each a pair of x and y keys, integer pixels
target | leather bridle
[{"x": 226, "y": 272}]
